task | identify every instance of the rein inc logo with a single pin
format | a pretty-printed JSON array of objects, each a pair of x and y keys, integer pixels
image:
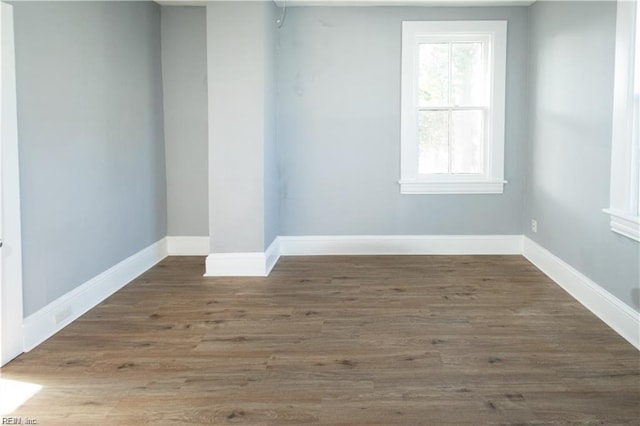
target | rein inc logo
[{"x": 19, "y": 421}]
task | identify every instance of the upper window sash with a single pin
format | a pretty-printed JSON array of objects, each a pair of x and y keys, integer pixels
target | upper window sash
[{"x": 452, "y": 38}]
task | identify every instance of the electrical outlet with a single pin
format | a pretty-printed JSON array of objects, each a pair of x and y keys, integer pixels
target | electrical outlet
[{"x": 534, "y": 225}]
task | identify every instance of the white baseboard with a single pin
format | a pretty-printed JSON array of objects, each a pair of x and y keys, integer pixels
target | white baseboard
[
  {"x": 236, "y": 265},
  {"x": 256, "y": 264},
  {"x": 188, "y": 246},
  {"x": 259, "y": 264},
  {"x": 58, "y": 314},
  {"x": 47, "y": 321},
  {"x": 272, "y": 254},
  {"x": 623, "y": 319},
  {"x": 400, "y": 244}
]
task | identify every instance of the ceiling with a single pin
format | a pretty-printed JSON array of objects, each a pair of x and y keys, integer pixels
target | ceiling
[{"x": 293, "y": 3}]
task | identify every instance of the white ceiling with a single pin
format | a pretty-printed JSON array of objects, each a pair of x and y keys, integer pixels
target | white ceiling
[
  {"x": 181, "y": 3},
  {"x": 293, "y": 3}
]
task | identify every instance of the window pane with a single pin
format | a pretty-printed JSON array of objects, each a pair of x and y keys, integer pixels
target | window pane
[
  {"x": 467, "y": 74},
  {"x": 433, "y": 79},
  {"x": 467, "y": 141},
  {"x": 433, "y": 130}
]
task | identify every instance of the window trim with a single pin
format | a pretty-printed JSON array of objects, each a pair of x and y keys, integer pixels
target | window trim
[
  {"x": 492, "y": 181},
  {"x": 624, "y": 217}
]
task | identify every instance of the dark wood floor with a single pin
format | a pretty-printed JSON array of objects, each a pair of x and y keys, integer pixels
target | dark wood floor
[{"x": 410, "y": 340}]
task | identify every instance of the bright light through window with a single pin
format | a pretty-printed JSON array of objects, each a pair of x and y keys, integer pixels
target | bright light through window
[{"x": 452, "y": 105}]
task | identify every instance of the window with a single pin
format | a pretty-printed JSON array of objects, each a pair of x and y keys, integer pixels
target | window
[
  {"x": 624, "y": 210},
  {"x": 452, "y": 108}
]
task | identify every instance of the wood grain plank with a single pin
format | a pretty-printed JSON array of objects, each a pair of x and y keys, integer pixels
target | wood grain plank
[{"x": 337, "y": 340}]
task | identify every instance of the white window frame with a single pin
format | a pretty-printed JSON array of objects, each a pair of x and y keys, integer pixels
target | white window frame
[
  {"x": 625, "y": 163},
  {"x": 492, "y": 181}
]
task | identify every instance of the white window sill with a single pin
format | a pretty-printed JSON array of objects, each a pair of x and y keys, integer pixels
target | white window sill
[
  {"x": 453, "y": 187},
  {"x": 624, "y": 224}
]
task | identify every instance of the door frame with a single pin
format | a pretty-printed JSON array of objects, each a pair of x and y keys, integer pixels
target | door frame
[{"x": 11, "y": 304}]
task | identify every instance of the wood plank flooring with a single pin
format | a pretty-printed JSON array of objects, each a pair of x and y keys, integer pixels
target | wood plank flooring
[{"x": 415, "y": 340}]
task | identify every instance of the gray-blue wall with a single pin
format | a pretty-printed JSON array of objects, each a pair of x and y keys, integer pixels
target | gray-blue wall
[
  {"x": 339, "y": 127},
  {"x": 92, "y": 154},
  {"x": 572, "y": 64},
  {"x": 92, "y": 170},
  {"x": 184, "y": 76}
]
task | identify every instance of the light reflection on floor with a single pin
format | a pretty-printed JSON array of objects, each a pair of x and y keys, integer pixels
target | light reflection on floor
[{"x": 14, "y": 393}]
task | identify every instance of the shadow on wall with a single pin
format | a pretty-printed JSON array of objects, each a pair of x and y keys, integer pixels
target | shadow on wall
[
  {"x": 568, "y": 201},
  {"x": 635, "y": 298}
]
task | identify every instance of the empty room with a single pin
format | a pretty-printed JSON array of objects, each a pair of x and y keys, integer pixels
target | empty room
[{"x": 419, "y": 212}]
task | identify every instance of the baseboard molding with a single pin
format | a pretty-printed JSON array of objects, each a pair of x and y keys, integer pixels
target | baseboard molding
[
  {"x": 188, "y": 246},
  {"x": 401, "y": 245},
  {"x": 272, "y": 255},
  {"x": 43, "y": 324},
  {"x": 47, "y": 321},
  {"x": 623, "y": 319},
  {"x": 255, "y": 264}
]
